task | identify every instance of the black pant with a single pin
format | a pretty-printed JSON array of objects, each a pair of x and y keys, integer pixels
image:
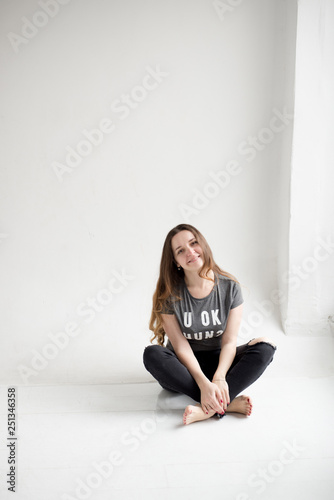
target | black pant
[{"x": 249, "y": 363}]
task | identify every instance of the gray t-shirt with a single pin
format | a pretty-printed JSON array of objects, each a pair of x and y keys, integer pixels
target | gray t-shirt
[{"x": 203, "y": 321}]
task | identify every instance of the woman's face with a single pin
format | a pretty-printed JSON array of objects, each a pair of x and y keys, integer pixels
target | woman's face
[{"x": 187, "y": 251}]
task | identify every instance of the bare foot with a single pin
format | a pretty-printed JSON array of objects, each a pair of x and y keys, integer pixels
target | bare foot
[
  {"x": 240, "y": 404},
  {"x": 195, "y": 413}
]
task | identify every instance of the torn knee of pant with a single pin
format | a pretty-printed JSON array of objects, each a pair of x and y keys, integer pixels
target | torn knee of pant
[{"x": 262, "y": 340}]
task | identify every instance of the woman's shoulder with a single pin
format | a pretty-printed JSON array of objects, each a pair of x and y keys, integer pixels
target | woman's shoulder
[
  {"x": 232, "y": 289},
  {"x": 224, "y": 278},
  {"x": 226, "y": 281}
]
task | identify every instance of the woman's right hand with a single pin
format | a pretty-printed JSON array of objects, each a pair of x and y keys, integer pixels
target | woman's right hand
[{"x": 211, "y": 398}]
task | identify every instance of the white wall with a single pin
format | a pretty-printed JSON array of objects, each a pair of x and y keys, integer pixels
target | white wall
[
  {"x": 63, "y": 239},
  {"x": 285, "y": 93},
  {"x": 310, "y": 270}
]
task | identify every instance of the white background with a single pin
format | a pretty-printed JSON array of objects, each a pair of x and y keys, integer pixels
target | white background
[{"x": 62, "y": 239}]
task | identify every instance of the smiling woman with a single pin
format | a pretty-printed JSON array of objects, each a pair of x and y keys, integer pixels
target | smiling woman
[{"x": 198, "y": 306}]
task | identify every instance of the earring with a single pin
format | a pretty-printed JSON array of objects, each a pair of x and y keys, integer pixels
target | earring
[{"x": 178, "y": 268}]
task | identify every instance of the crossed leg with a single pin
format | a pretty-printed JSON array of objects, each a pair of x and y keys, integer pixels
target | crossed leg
[{"x": 239, "y": 404}]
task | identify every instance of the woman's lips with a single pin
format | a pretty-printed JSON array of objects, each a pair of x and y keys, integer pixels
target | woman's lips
[{"x": 193, "y": 260}]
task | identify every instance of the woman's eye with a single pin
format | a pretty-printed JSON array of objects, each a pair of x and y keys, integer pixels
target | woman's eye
[{"x": 180, "y": 251}]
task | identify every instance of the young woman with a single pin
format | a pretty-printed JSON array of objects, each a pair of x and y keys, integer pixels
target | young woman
[{"x": 199, "y": 307}]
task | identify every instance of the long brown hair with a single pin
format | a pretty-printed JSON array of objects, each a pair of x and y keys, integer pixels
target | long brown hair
[{"x": 170, "y": 277}]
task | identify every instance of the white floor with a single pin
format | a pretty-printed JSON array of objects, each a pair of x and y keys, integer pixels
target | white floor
[{"x": 127, "y": 442}]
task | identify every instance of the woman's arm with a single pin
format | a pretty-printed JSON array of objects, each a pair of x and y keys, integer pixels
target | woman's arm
[
  {"x": 211, "y": 396},
  {"x": 228, "y": 350}
]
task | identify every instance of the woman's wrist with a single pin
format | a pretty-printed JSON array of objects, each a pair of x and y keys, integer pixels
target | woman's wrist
[{"x": 203, "y": 382}]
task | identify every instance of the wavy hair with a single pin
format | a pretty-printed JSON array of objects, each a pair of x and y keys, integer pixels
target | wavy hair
[{"x": 170, "y": 277}]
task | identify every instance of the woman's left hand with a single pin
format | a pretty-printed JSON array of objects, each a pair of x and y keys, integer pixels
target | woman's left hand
[{"x": 223, "y": 386}]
